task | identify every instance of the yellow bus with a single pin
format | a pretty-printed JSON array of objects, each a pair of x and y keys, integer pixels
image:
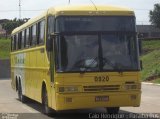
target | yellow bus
[{"x": 78, "y": 57}]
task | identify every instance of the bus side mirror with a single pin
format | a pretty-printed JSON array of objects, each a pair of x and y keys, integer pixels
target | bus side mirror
[
  {"x": 140, "y": 46},
  {"x": 49, "y": 43}
]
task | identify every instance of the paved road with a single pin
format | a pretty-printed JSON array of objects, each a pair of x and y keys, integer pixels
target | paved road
[{"x": 10, "y": 104}]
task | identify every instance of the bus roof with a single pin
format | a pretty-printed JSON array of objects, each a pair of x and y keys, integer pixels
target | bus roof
[
  {"x": 89, "y": 8},
  {"x": 105, "y": 10}
]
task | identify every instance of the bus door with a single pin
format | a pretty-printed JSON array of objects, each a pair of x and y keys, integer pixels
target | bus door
[
  {"x": 51, "y": 20},
  {"x": 52, "y": 65}
]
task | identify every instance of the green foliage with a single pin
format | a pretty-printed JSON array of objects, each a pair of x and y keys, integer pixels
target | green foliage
[
  {"x": 151, "y": 64},
  {"x": 12, "y": 24},
  {"x": 3, "y": 21},
  {"x": 151, "y": 45},
  {"x": 155, "y": 15},
  {"x": 4, "y": 48},
  {"x": 156, "y": 81},
  {"x": 151, "y": 60}
]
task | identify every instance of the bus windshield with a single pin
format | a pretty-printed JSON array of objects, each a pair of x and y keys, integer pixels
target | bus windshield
[{"x": 100, "y": 48}]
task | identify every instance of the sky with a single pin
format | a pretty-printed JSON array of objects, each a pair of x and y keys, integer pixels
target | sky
[{"x": 31, "y": 8}]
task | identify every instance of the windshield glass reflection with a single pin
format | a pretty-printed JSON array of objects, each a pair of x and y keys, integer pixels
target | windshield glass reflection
[{"x": 78, "y": 52}]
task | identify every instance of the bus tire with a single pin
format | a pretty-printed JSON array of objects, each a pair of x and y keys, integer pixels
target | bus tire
[
  {"x": 45, "y": 108},
  {"x": 21, "y": 97},
  {"x": 113, "y": 110}
]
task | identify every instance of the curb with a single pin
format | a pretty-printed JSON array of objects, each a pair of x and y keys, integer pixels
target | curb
[{"x": 150, "y": 83}]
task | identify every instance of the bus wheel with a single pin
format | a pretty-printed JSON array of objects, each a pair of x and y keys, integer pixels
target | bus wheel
[
  {"x": 45, "y": 108},
  {"x": 113, "y": 110},
  {"x": 21, "y": 97}
]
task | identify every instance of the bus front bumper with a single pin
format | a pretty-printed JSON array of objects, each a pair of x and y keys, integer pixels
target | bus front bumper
[{"x": 89, "y": 100}]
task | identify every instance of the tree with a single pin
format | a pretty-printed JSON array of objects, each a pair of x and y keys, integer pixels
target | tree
[
  {"x": 3, "y": 21},
  {"x": 155, "y": 15},
  {"x": 12, "y": 24}
]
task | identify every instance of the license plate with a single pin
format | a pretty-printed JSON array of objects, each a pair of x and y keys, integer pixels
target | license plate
[{"x": 101, "y": 98}]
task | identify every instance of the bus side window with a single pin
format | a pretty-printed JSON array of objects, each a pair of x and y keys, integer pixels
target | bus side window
[
  {"x": 12, "y": 43},
  {"x": 51, "y": 20},
  {"x": 34, "y": 35},
  {"x": 27, "y": 38},
  {"x": 23, "y": 39},
  {"x": 30, "y": 36},
  {"x": 14, "y": 47},
  {"x": 17, "y": 41},
  {"x": 41, "y": 32}
]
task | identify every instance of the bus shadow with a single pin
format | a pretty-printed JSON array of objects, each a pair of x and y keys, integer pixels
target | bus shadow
[{"x": 33, "y": 104}]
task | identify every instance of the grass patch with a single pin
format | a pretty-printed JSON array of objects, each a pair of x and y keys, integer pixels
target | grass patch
[
  {"x": 149, "y": 46},
  {"x": 151, "y": 64},
  {"x": 4, "y": 48},
  {"x": 156, "y": 81},
  {"x": 151, "y": 61}
]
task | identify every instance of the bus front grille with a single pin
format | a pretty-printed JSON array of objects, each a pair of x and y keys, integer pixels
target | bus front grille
[{"x": 101, "y": 88}]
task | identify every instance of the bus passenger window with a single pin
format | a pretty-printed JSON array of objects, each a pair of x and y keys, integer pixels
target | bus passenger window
[
  {"x": 12, "y": 43},
  {"x": 34, "y": 36},
  {"x": 23, "y": 39},
  {"x": 27, "y": 38},
  {"x": 14, "y": 48},
  {"x": 41, "y": 32},
  {"x": 19, "y": 40},
  {"x": 30, "y": 36}
]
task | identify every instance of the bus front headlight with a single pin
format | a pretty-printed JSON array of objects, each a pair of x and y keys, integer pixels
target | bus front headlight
[
  {"x": 68, "y": 89},
  {"x": 132, "y": 86}
]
